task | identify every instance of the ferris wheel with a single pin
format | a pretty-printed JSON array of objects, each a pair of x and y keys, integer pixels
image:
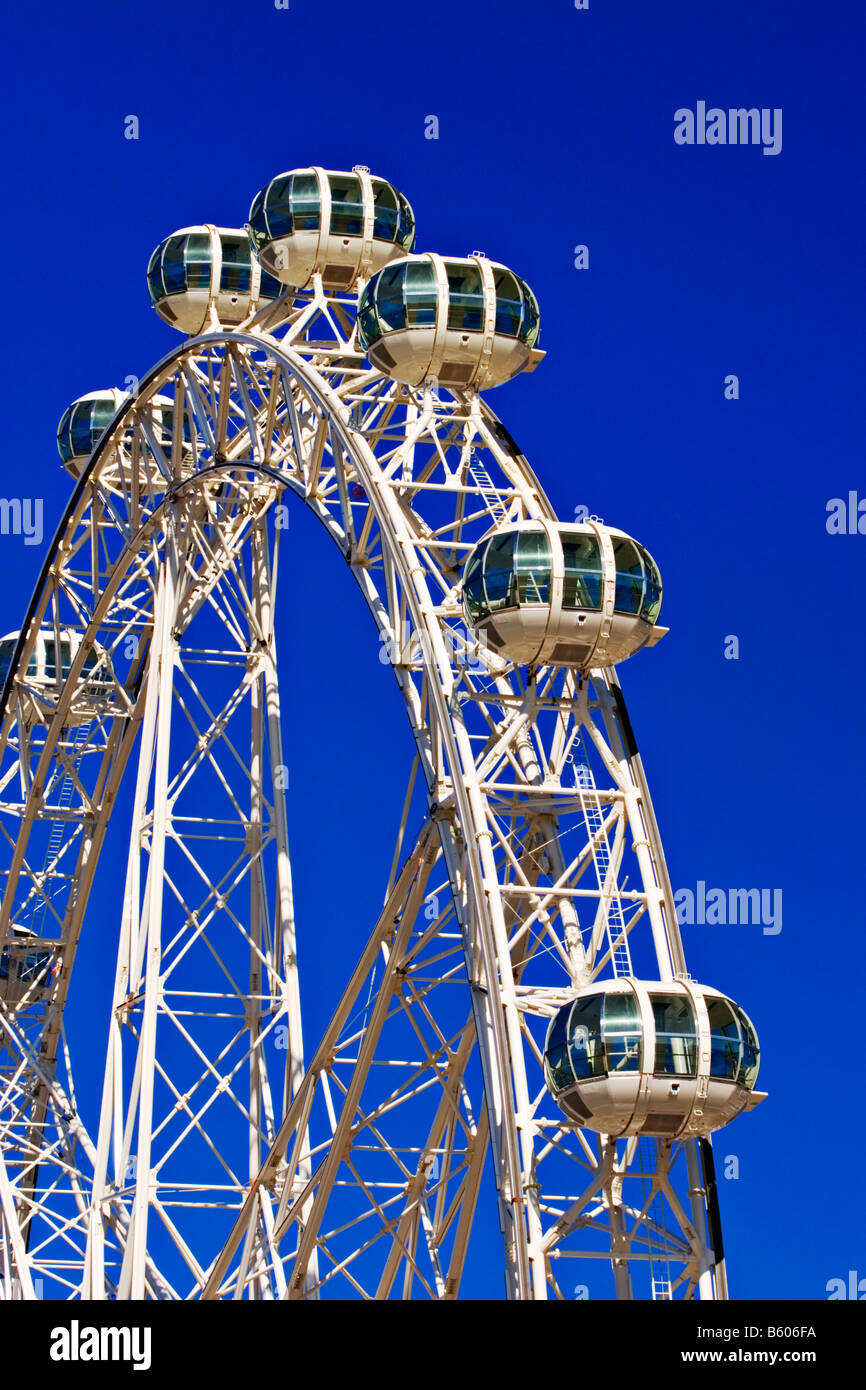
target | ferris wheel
[{"x": 519, "y": 1018}]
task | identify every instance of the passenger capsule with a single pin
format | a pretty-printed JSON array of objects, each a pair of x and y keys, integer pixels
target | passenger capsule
[
  {"x": 206, "y": 277},
  {"x": 581, "y": 594},
  {"x": 85, "y": 421},
  {"x": 466, "y": 323},
  {"x": 340, "y": 225},
  {"x": 26, "y": 969},
  {"x": 161, "y": 417},
  {"x": 40, "y": 686},
  {"x": 83, "y": 424},
  {"x": 671, "y": 1060}
]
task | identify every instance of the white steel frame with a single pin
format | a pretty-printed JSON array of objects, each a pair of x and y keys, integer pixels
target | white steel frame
[{"x": 219, "y": 1166}]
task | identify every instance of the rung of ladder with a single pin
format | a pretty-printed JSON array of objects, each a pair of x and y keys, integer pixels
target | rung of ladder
[{"x": 483, "y": 481}]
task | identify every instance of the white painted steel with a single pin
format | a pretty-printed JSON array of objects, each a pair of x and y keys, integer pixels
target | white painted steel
[{"x": 538, "y": 862}]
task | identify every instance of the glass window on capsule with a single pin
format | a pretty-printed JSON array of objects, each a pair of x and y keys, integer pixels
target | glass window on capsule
[
  {"x": 236, "y": 272},
  {"x": 34, "y": 965},
  {"x": 97, "y": 671},
  {"x": 197, "y": 261},
  {"x": 404, "y": 296},
  {"x": 165, "y": 418},
  {"x": 385, "y": 211},
  {"x": 155, "y": 282},
  {"x": 725, "y": 1045},
  {"x": 173, "y": 265},
  {"x": 7, "y": 651},
  {"x": 261, "y": 222},
  {"x": 676, "y": 1035},
  {"x": 531, "y": 318},
  {"x": 533, "y": 567},
  {"x": 82, "y": 426},
  {"x": 465, "y": 297},
  {"x": 557, "y": 1066},
  {"x": 653, "y": 596},
  {"x": 51, "y": 658},
  {"x": 500, "y": 585},
  {"x": 390, "y": 301},
  {"x": 512, "y": 569},
  {"x": 290, "y": 203},
  {"x": 474, "y": 593},
  {"x": 101, "y": 414},
  {"x": 405, "y": 222},
  {"x": 347, "y": 205},
  {"x": 748, "y": 1072},
  {"x": 509, "y": 303},
  {"x": 185, "y": 264},
  {"x": 421, "y": 294},
  {"x": 582, "y": 582},
  {"x": 517, "y": 313},
  {"x": 269, "y": 286},
  {"x": 629, "y": 576},
  {"x": 623, "y": 1035},
  {"x": 305, "y": 203},
  {"x": 368, "y": 319},
  {"x": 585, "y": 1042}
]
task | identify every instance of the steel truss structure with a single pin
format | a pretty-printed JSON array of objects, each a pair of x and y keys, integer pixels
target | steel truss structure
[{"x": 220, "y": 1164}]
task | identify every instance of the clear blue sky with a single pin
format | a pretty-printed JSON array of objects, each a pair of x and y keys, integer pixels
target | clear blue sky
[{"x": 555, "y": 129}]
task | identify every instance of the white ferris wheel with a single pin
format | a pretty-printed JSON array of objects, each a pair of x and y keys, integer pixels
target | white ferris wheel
[{"x": 522, "y": 1003}]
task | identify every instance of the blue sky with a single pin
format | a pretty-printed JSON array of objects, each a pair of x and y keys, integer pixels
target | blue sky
[{"x": 555, "y": 130}]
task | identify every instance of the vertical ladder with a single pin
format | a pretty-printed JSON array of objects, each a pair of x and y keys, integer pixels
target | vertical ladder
[
  {"x": 659, "y": 1267},
  {"x": 64, "y": 801},
  {"x": 594, "y": 816},
  {"x": 483, "y": 481}
]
